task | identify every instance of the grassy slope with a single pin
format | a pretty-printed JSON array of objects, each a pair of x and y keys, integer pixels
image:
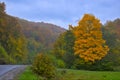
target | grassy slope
[{"x": 78, "y": 75}]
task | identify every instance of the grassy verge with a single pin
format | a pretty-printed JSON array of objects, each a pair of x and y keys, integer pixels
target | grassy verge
[
  {"x": 68, "y": 74},
  {"x": 27, "y": 75},
  {"x": 91, "y": 75}
]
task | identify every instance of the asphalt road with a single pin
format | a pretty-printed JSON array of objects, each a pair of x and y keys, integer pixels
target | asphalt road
[{"x": 6, "y": 68}]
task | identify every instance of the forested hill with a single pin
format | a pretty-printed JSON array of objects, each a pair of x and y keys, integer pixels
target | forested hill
[
  {"x": 40, "y": 36},
  {"x": 21, "y": 39},
  {"x": 113, "y": 27},
  {"x": 45, "y": 33}
]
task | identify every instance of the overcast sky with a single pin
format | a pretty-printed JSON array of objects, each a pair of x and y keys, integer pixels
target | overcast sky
[{"x": 62, "y": 12}]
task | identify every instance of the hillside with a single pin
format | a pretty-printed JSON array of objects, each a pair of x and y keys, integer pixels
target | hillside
[
  {"x": 44, "y": 33},
  {"x": 21, "y": 39},
  {"x": 114, "y": 26}
]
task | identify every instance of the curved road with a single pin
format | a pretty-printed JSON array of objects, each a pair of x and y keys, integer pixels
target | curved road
[
  {"x": 9, "y": 72},
  {"x": 5, "y": 68}
]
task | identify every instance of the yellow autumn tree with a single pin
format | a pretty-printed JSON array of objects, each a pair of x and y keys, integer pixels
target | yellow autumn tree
[{"x": 89, "y": 44}]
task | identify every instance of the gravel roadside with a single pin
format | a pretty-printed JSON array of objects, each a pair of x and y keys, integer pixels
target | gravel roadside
[{"x": 14, "y": 73}]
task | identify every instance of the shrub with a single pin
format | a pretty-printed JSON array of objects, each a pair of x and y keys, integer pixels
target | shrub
[
  {"x": 43, "y": 66},
  {"x": 102, "y": 66},
  {"x": 60, "y": 63}
]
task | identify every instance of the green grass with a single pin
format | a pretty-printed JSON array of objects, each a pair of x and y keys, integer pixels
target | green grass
[
  {"x": 76, "y": 75},
  {"x": 91, "y": 75},
  {"x": 27, "y": 75}
]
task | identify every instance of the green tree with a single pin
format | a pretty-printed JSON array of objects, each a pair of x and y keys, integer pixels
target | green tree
[
  {"x": 33, "y": 47},
  {"x": 111, "y": 35},
  {"x": 2, "y": 9},
  {"x": 63, "y": 48},
  {"x": 4, "y": 58},
  {"x": 11, "y": 36}
]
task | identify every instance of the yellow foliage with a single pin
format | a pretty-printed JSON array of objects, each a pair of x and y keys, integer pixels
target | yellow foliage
[{"x": 89, "y": 44}]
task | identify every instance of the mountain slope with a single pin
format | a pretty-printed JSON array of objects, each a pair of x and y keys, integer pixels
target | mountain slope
[{"x": 44, "y": 33}]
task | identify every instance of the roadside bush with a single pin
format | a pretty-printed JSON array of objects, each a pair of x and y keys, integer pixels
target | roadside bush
[
  {"x": 97, "y": 66},
  {"x": 102, "y": 66},
  {"x": 43, "y": 66},
  {"x": 60, "y": 63},
  {"x": 81, "y": 64}
]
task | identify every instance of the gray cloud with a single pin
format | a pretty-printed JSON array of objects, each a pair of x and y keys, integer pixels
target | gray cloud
[{"x": 63, "y": 12}]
